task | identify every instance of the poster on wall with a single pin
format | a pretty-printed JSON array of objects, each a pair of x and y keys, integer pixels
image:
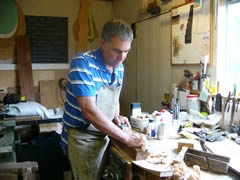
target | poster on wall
[{"x": 191, "y": 33}]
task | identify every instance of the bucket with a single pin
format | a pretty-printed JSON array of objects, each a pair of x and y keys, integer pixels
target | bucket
[{"x": 193, "y": 102}]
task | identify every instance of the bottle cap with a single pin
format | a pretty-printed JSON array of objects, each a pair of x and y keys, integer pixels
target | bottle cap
[{"x": 151, "y": 120}]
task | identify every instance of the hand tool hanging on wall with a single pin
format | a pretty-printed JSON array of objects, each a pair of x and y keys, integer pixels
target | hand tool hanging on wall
[
  {"x": 227, "y": 105},
  {"x": 201, "y": 68},
  {"x": 188, "y": 35},
  {"x": 232, "y": 110},
  {"x": 237, "y": 102},
  {"x": 234, "y": 101},
  {"x": 218, "y": 100},
  {"x": 213, "y": 107}
]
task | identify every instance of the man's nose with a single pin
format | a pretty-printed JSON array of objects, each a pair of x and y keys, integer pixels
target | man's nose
[{"x": 122, "y": 56}]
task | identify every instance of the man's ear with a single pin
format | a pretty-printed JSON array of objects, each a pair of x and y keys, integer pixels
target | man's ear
[{"x": 102, "y": 42}]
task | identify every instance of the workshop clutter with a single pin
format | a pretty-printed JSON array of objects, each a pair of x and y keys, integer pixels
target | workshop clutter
[
  {"x": 193, "y": 96},
  {"x": 199, "y": 80},
  {"x": 166, "y": 124},
  {"x": 182, "y": 100},
  {"x": 11, "y": 99},
  {"x": 155, "y": 125},
  {"x": 31, "y": 108},
  {"x": 195, "y": 81}
]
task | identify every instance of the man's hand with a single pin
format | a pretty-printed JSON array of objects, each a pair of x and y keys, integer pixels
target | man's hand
[
  {"x": 119, "y": 120},
  {"x": 134, "y": 141}
]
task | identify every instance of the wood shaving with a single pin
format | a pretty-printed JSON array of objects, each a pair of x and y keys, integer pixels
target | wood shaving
[
  {"x": 145, "y": 144},
  {"x": 182, "y": 172},
  {"x": 160, "y": 158}
]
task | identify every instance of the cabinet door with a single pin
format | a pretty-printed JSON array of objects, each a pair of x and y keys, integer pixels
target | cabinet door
[{"x": 153, "y": 61}]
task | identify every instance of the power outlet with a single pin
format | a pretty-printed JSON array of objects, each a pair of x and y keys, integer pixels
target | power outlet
[{"x": 3, "y": 90}]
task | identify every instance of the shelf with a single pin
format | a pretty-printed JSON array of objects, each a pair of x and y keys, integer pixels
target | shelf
[{"x": 35, "y": 66}]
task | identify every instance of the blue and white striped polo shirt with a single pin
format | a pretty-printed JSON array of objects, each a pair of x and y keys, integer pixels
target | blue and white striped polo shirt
[{"x": 86, "y": 75}]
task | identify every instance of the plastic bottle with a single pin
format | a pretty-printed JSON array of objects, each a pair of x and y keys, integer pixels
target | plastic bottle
[
  {"x": 176, "y": 110},
  {"x": 161, "y": 130},
  {"x": 151, "y": 130}
]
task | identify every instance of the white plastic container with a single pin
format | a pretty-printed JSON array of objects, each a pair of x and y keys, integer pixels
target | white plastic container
[
  {"x": 193, "y": 102},
  {"x": 162, "y": 130},
  {"x": 140, "y": 124}
]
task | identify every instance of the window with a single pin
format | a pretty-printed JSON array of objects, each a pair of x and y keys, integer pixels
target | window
[{"x": 228, "y": 46}]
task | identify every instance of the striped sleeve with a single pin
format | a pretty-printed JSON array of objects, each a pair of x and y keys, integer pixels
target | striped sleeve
[{"x": 81, "y": 78}]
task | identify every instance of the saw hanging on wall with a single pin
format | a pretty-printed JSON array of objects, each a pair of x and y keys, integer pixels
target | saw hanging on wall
[{"x": 188, "y": 35}]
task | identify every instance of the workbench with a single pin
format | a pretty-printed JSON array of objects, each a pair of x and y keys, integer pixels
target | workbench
[{"x": 134, "y": 170}]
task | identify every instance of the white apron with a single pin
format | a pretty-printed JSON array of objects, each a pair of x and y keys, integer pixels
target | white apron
[{"x": 87, "y": 148}]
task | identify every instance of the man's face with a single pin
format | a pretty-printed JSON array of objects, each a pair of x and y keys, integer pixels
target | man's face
[{"x": 115, "y": 51}]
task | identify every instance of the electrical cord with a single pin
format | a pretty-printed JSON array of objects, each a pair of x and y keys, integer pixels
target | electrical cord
[
  {"x": 62, "y": 86},
  {"x": 62, "y": 83}
]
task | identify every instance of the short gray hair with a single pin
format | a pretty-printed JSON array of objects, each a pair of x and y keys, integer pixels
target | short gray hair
[{"x": 117, "y": 27}]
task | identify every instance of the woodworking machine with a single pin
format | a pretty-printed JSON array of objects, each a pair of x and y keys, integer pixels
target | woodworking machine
[{"x": 7, "y": 145}]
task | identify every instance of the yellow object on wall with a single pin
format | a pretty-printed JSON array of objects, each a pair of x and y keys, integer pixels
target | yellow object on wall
[{"x": 84, "y": 29}]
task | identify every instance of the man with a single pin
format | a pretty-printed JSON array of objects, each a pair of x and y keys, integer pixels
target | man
[{"x": 92, "y": 102}]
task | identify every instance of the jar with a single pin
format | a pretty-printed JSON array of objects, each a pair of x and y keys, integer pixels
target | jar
[
  {"x": 193, "y": 102},
  {"x": 195, "y": 85}
]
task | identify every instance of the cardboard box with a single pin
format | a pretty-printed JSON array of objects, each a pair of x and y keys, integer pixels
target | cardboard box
[{"x": 139, "y": 123}]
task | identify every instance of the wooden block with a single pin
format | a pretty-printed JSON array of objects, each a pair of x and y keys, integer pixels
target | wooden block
[
  {"x": 24, "y": 61},
  {"x": 179, "y": 158},
  {"x": 132, "y": 153},
  {"x": 185, "y": 142},
  {"x": 207, "y": 161}
]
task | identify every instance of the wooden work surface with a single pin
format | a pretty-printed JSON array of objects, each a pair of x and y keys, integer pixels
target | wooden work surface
[{"x": 171, "y": 146}]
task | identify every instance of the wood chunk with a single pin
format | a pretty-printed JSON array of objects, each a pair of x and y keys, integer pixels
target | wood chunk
[
  {"x": 24, "y": 61},
  {"x": 185, "y": 142}
]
